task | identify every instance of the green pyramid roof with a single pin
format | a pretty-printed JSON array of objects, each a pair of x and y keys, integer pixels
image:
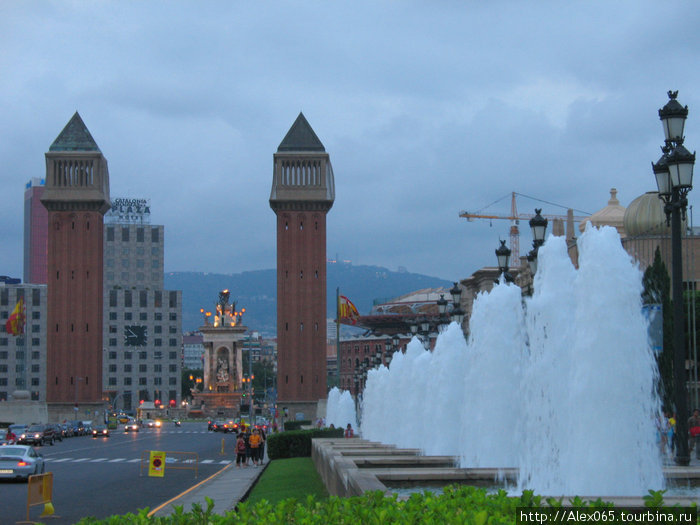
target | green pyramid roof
[
  {"x": 301, "y": 137},
  {"x": 74, "y": 137}
]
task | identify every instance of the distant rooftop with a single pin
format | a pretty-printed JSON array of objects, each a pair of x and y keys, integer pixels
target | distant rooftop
[
  {"x": 74, "y": 137},
  {"x": 301, "y": 137}
]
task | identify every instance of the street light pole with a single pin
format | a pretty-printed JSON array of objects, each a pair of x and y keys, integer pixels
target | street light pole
[{"x": 674, "y": 178}]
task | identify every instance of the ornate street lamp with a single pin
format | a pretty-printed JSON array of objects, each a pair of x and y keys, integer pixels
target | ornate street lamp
[
  {"x": 456, "y": 293},
  {"x": 674, "y": 179},
  {"x": 538, "y": 225},
  {"x": 503, "y": 256},
  {"x": 442, "y": 305}
]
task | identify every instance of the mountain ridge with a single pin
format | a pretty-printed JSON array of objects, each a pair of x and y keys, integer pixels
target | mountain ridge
[{"x": 256, "y": 291}]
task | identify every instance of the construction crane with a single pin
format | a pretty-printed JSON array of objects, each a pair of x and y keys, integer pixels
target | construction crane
[{"x": 514, "y": 219}]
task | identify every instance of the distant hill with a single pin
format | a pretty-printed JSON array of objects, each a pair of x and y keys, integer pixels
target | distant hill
[{"x": 256, "y": 291}]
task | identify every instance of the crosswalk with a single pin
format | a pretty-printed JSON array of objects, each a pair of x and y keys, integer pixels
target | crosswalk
[{"x": 133, "y": 460}]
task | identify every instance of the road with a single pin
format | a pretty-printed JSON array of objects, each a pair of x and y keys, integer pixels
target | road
[{"x": 102, "y": 476}]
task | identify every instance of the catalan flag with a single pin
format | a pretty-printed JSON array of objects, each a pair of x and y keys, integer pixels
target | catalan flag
[
  {"x": 15, "y": 323},
  {"x": 347, "y": 310}
]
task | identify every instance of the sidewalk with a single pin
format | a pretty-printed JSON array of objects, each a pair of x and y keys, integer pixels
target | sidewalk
[{"x": 227, "y": 487}]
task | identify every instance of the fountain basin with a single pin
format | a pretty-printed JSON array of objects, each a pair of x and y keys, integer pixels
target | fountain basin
[{"x": 350, "y": 467}]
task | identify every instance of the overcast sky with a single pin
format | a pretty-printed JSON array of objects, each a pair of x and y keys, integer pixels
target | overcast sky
[{"x": 426, "y": 109}]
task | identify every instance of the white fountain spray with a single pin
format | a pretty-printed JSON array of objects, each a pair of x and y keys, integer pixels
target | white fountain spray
[
  {"x": 340, "y": 409},
  {"x": 562, "y": 387}
]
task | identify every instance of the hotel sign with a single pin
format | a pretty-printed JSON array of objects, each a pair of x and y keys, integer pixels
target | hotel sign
[{"x": 129, "y": 211}]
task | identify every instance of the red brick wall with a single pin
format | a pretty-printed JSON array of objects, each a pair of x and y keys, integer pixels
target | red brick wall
[
  {"x": 74, "y": 313},
  {"x": 301, "y": 305}
]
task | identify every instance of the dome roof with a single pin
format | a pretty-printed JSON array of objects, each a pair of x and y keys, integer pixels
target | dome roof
[
  {"x": 645, "y": 216},
  {"x": 612, "y": 215}
]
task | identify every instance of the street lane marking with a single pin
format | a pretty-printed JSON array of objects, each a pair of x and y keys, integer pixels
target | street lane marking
[
  {"x": 116, "y": 460},
  {"x": 207, "y": 461},
  {"x": 80, "y": 460},
  {"x": 58, "y": 460},
  {"x": 98, "y": 460}
]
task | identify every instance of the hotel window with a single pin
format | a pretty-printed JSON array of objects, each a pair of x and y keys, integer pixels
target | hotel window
[
  {"x": 36, "y": 297},
  {"x": 154, "y": 235},
  {"x": 139, "y": 234},
  {"x": 110, "y": 233},
  {"x": 125, "y": 234},
  {"x": 36, "y": 315}
]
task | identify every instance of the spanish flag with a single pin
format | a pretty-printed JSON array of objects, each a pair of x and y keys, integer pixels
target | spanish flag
[
  {"x": 15, "y": 323},
  {"x": 347, "y": 310}
]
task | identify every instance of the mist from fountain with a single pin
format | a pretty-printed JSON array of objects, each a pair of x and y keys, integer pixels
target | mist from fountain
[{"x": 561, "y": 385}]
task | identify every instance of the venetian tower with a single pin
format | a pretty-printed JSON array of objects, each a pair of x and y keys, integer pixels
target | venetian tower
[
  {"x": 76, "y": 197},
  {"x": 303, "y": 191}
]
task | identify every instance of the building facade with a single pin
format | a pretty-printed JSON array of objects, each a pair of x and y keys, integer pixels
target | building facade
[
  {"x": 23, "y": 357},
  {"x": 303, "y": 191},
  {"x": 36, "y": 225},
  {"x": 76, "y": 197},
  {"x": 143, "y": 322},
  {"x": 193, "y": 351}
]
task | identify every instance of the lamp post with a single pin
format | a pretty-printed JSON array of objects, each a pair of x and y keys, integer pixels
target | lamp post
[
  {"x": 503, "y": 256},
  {"x": 674, "y": 178},
  {"x": 538, "y": 225}
]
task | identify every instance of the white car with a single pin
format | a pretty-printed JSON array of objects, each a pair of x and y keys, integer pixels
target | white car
[{"x": 20, "y": 462}]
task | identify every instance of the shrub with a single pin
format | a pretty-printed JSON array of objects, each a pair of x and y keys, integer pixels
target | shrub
[
  {"x": 297, "y": 443},
  {"x": 457, "y": 504},
  {"x": 296, "y": 425}
]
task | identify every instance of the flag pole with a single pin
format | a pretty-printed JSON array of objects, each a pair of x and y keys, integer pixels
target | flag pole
[{"x": 337, "y": 334}]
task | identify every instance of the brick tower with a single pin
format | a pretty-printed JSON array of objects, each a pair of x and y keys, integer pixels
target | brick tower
[
  {"x": 76, "y": 197},
  {"x": 303, "y": 191}
]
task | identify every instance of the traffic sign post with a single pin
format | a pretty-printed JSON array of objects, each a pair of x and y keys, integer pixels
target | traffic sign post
[{"x": 156, "y": 464}]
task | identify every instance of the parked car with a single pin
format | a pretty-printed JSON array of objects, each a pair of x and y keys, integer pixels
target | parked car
[
  {"x": 37, "y": 435},
  {"x": 100, "y": 431},
  {"x": 20, "y": 462}
]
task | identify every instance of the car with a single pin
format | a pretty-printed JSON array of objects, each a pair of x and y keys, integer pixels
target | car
[
  {"x": 123, "y": 418},
  {"x": 218, "y": 426},
  {"x": 37, "y": 435},
  {"x": 148, "y": 423},
  {"x": 78, "y": 428},
  {"x": 100, "y": 431},
  {"x": 67, "y": 430},
  {"x": 20, "y": 462},
  {"x": 131, "y": 426},
  {"x": 58, "y": 431},
  {"x": 157, "y": 423},
  {"x": 17, "y": 430},
  {"x": 230, "y": 426}
]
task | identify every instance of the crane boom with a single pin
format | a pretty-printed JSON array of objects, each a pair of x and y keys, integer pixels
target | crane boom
[{"x": 515, "y": 218}]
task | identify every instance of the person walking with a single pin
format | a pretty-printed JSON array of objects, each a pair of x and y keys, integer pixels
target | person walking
[
  {"x": 240, "y": 451},
  {"x": 261, "y": 450},
  {"x": 254, "y": 441},
  {"x": 694, "y": 433}
]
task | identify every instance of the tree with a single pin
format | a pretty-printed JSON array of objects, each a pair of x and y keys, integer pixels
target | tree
[{"x": 657, "y": 290}]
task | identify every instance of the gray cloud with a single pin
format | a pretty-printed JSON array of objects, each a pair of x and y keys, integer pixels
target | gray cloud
[{"x": 425, "y": 108}]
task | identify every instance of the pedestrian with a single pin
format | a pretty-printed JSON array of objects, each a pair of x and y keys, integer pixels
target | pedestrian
[
  {"x": 694, "y": 433},
  {"x": 246, "y": 439},
  {"x": 349, "y": 432},
  {"x": 254, "y": 442},
  {"x": 240, "y": 451},
  {"x": 261, "y": 450}
]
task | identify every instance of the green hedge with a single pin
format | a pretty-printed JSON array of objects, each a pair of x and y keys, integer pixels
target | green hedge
[
  {"x": 457, "y": 504},
  {"x": 297, "y": 443},
  {"x": 296, "y": 425}
]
